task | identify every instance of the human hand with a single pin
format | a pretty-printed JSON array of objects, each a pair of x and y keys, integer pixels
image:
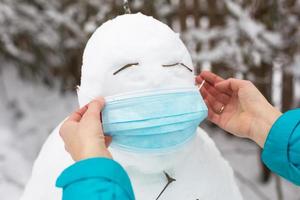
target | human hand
[
  {"x": 82, "y": 132},
  {"x": 238, "y": 107}
]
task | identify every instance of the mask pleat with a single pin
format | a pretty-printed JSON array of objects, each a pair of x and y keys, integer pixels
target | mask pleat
[
  {"x": 153, "y": 123},
  {"x": 172, "y": 104},
  {"x": 155, "y": 143},
  {"x": 132, "y": 127}
]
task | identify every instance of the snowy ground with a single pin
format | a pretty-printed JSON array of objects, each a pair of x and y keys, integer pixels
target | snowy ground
[
  {"x": 243, "y": 157},
  {"x": 29, "y": 112}
]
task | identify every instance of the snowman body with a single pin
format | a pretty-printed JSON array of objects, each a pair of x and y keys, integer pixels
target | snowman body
[
  {"x": 200, "y": 172},
  {"x": 199, "y": 169},
  {"x": 148, "y": 46}
]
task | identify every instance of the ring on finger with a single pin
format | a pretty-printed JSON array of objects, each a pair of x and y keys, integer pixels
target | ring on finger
[{"x": 221, "y": 109}]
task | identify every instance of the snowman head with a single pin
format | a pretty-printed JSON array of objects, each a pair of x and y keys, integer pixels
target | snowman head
[
  {"x": 134, "y": 53},
  {"x": 130, "y": 53}
]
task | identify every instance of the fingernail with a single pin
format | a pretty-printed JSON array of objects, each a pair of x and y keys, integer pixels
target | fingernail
[{"x": 99, "y": 98}]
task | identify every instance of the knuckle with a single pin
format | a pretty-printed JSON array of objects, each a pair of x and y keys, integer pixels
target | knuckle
[
  {"x": 248, "y": 83},
  {"x": 61, "y": 133},
  {"x": 67, "y": 149},
  {"x": 99, "y": 102},
  {"x": 94, "y": 101},
  {"x": 62, "y": 130}
]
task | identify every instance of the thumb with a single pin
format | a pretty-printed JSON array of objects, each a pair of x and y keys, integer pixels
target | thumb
[
  {"x": 224, "y": 87},
  {"x": 230, "y": 85},
  {"x": 94, "y": 110}
]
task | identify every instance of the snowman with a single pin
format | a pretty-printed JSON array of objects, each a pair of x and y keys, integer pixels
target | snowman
[{"x": 141, "y": 66}]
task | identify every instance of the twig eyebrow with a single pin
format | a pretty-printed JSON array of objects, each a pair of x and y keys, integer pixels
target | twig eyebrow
[
  {"x": 171, "y": 65},
  {"x": 124, "y": 67}
]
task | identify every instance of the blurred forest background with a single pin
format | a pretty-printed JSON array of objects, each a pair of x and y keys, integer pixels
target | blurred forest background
[{"x": 41, "y": 46}]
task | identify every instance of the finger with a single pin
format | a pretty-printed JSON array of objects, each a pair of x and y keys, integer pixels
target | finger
[
  {"x": 77, "y": 115},
  {"x": 224, "y": 87},
  {"x": 216, "y": 106},
  {"x": 94, "y": 110},
  {"x": 230, "y": 85},
  {"x": 66, "y": 149},
  {"x": 199, "y": 82},
  {"x": 67, "y": 128},
  {"x": 212, "y": 116},
  {"x": 204, "y": 92},
  {"x": 199, "y": 79},
  {"x": 108, "y": 140},
  {"x": 224, "y": 98},
  {"x": 210, "y": 77}
]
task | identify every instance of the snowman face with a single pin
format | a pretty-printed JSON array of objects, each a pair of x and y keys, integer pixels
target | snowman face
[{"x": 132, "y": 53}]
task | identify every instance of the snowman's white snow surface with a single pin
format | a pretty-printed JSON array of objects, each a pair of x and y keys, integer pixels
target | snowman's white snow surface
[{"x": 199, "y": 169}]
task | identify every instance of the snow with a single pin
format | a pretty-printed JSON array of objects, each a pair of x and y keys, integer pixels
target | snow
[
  {"x": 137, "y": 38},
  {"x": 241, "y": 154},
  {"x": 277, "y": 84},
  {"x": 151, "y": 48},
  {"x": 25, "y": 103},
  {"x": 241, "y": 43},
  {"x": 296, "y": 72},
  {"x": 29, "y": 112}
]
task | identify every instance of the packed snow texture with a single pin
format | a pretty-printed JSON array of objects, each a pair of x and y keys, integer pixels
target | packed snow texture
[
  {"x": 25, "y": 104},
  {"x": 29, "y": 112},
  {"x": 151, "y": 44},
  {"x": 136, "y": 39},
  {"x": 21, "y": 139}
]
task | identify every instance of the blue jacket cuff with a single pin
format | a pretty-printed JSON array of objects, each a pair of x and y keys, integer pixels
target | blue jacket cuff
[
  {"x": 103, "y": 168},
  {"x": 276, "y": 149}
]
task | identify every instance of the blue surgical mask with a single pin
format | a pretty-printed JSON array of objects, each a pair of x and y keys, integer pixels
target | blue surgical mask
[{"x": 153, "y": 121}]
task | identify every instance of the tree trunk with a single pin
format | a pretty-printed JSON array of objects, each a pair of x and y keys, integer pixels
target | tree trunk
[{"x": 287, "y": 91}]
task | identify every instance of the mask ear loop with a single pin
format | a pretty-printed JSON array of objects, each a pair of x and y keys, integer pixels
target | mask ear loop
[{"x": 201, "y": 85}]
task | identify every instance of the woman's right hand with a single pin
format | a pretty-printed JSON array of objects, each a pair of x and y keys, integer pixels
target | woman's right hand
[
  {"x": 82, "y": 132},
  {"x": 238, "y": 107}
]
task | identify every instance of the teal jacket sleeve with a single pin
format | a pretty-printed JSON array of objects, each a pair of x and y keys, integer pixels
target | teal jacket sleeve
[
  {"x": 281, "y": 152},
  {"x": 94, "y": 179}
]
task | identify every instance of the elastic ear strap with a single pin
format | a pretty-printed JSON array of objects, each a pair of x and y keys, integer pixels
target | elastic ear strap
[{"x": 201, "y": 85}]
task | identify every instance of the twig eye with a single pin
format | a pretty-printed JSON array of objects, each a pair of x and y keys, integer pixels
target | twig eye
[
  {"x": 180, "y": 64},
  {"x": 124, "y": 67}
]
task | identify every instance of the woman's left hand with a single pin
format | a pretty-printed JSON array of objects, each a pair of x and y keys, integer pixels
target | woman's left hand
[
  {"x": 82, "y": 132},
  {"x": 238, "y": 107}
]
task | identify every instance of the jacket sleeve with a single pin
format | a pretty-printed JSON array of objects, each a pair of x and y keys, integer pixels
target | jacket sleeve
[
  {"x": 94, "y": 179},
  {"x": 281, "y": 152}
]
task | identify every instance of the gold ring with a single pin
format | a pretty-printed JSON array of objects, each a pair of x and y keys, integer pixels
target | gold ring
[{"x": 222, "y": 109}]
